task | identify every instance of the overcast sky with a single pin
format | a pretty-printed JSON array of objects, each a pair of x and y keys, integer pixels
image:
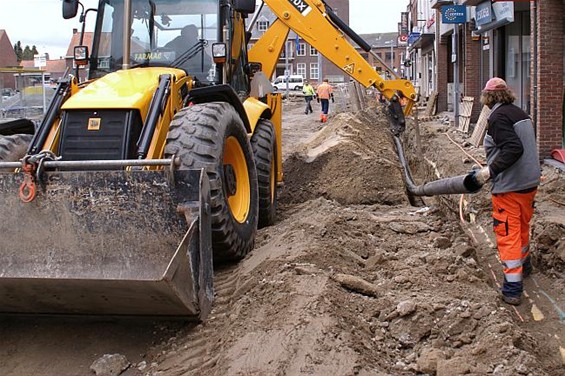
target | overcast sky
[{"x": 39, "y": 22}]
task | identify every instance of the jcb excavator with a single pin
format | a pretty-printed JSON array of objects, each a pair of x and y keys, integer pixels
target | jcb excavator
[{"x": 163, "y": 162}]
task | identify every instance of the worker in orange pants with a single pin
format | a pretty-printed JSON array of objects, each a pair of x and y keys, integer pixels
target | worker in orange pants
[
  {"x": 324, "y": 93},
  {"x": 511, "y": 215},
  {"x": 513, "y": 165}
]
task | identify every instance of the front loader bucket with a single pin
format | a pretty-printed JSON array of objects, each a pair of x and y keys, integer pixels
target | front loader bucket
[{"x": 107, "y": 243}]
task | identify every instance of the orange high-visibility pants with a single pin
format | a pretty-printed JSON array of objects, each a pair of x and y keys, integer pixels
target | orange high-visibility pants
[{"x": 511, "y": 215}]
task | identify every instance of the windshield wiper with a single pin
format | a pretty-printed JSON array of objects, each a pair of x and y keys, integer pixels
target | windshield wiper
[{"x": 190, "y": 53}]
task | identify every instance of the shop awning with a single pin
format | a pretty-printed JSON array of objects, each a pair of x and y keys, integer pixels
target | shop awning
[
  {"x": 424, "y": 41},
  {"x": 494, "y": 25}
]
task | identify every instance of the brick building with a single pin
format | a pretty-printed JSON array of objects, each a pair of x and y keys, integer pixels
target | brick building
[
  {"x": 303, "y": 59},
  {"x": 8, "y": 59},
  {"x": 386, "y": 47},
  {"x": 520, "y": 41},
  {"x": 523, "y": 43}
]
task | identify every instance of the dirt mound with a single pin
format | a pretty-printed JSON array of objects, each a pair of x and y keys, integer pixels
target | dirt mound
[
  {"x": 349, "y": 160},
  {"x": 549, "y": 228},
  {"x": 340, "y": 289}
]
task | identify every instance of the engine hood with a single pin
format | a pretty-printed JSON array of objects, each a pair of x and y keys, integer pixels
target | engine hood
[{"x": 132, "y": 88}]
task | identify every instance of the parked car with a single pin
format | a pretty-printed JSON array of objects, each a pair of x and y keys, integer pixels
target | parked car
[{"x": 295, "y": 82}]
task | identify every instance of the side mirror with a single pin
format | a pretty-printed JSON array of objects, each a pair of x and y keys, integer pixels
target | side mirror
[
  {"x": 219, "y": 53},
  {"x": 70, "y": 9},
  {"x": 244, "y": 6},
  {"x": 81, "y": 55}
]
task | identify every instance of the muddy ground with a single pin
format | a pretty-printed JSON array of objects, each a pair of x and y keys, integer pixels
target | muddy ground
[{"x": 351, "y": 280}]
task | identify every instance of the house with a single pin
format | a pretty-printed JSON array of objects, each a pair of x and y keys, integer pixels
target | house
[
  {"x": 54, "y": 69},
  {"x": 8, "y": 59},
  {"x": 386, "y": 48},
  {"x": 76, "y": 41}
]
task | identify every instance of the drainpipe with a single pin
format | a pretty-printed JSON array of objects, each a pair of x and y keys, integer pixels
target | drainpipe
[
  {"x": 456, "y": 57},
  {"x": 534, "y": 10}
]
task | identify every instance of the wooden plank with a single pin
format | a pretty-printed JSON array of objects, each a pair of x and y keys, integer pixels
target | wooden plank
[
  {"x": 480, "y": 128},
  {"x": 431, "y": 105},
  {"x": 465, "y": 116}
]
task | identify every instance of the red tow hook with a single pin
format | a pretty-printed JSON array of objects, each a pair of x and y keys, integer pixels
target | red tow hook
[{"x": 28, "y": 189}]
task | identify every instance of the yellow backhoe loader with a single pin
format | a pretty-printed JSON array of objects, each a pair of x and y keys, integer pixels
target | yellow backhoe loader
[{"x": 163, "y": 162}]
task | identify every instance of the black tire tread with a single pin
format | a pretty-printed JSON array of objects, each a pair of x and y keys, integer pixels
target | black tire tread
[
  {"x": 14, "y": 147},
  {"x": 196, "y": 136},
  {"x": 263, "y": 143}
]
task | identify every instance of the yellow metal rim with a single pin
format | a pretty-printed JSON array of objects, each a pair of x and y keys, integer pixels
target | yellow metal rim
[{"x": 240, "y": 202}]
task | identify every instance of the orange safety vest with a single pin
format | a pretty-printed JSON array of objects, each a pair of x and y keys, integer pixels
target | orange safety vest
[{"x": 324, "y": 91}]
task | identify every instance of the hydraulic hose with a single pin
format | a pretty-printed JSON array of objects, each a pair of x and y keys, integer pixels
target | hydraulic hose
[{"x": 347, "y": 30}]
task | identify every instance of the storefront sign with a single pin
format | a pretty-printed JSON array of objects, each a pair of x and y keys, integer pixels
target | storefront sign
[
  {"x": 404, "y": 23},
  {"x": 490, "y": 17},
  {"x": 413, "y": 37},
  {"x": 503, "y": 10},
  {"x": 483, "y": 13},
  {"x": 453, "y": 14},
  {"x": 431, "y": 21}
]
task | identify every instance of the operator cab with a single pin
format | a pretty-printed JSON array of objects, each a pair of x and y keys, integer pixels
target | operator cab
[
  {"x": 205, "y": 38},
  {"x": 162, "y": 33}
]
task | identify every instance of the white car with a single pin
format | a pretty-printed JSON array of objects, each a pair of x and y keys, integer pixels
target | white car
[{"x": 295, "y": 82}]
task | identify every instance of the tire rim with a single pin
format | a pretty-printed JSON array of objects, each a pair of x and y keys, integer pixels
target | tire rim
[{"x": 239, "y": 202}]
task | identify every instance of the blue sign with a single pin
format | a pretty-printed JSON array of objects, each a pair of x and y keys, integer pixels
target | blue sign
[
  {"x": 453, "y": 14},
  {"x": 413, "y": 37},
  {"x": 483, "y": 13}
]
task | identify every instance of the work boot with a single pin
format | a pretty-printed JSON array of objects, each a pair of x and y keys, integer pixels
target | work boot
[
  {"x": 512, "y": 292},
  {"x": 512, "y": 300}
]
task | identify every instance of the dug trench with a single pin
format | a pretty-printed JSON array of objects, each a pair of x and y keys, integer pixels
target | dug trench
[{"x": 351, "y": 279}]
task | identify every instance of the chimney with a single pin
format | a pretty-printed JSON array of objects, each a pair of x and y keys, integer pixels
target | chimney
[{"x": 75, "y": 31}]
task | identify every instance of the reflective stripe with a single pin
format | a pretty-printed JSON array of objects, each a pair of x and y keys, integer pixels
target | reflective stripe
[
  {"x": 512, "y": 277},
  {"x": 512, "y": 264}
]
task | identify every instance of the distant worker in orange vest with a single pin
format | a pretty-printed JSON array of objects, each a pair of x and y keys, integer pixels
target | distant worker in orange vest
[{"x": 324, "y": 93}]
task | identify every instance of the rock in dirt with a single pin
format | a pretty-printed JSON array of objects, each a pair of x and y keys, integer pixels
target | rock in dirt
[
  {"x": 357, "y": 284},
  {"x": 110, "y": 365},
  {"x": 405, "y": 308}
]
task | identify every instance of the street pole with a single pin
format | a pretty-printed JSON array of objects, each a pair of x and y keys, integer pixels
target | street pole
[
  {"x": 43, "y": 87},
  {"x": 455, "y": 60},
  {"x": 319, "y": 68},
  {"x": 391, "y": 56},
  {"x": 286, "y": 70}
]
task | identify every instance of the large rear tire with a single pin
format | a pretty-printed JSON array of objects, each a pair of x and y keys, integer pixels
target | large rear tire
[
  {"x": 14, "y": 147},
  {"x": 263, "y": 143},
  {"x": 211, "y": 136}
]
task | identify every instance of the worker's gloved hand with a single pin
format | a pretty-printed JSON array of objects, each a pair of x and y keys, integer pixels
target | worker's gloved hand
[
  {"x": 482, "y": 175},
  {"x": 333, "y": 101},
  {"x": 318, "y": 99}
]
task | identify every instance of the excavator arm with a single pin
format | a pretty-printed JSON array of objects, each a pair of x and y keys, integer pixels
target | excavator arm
[{"x": 317, "y": 24}]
